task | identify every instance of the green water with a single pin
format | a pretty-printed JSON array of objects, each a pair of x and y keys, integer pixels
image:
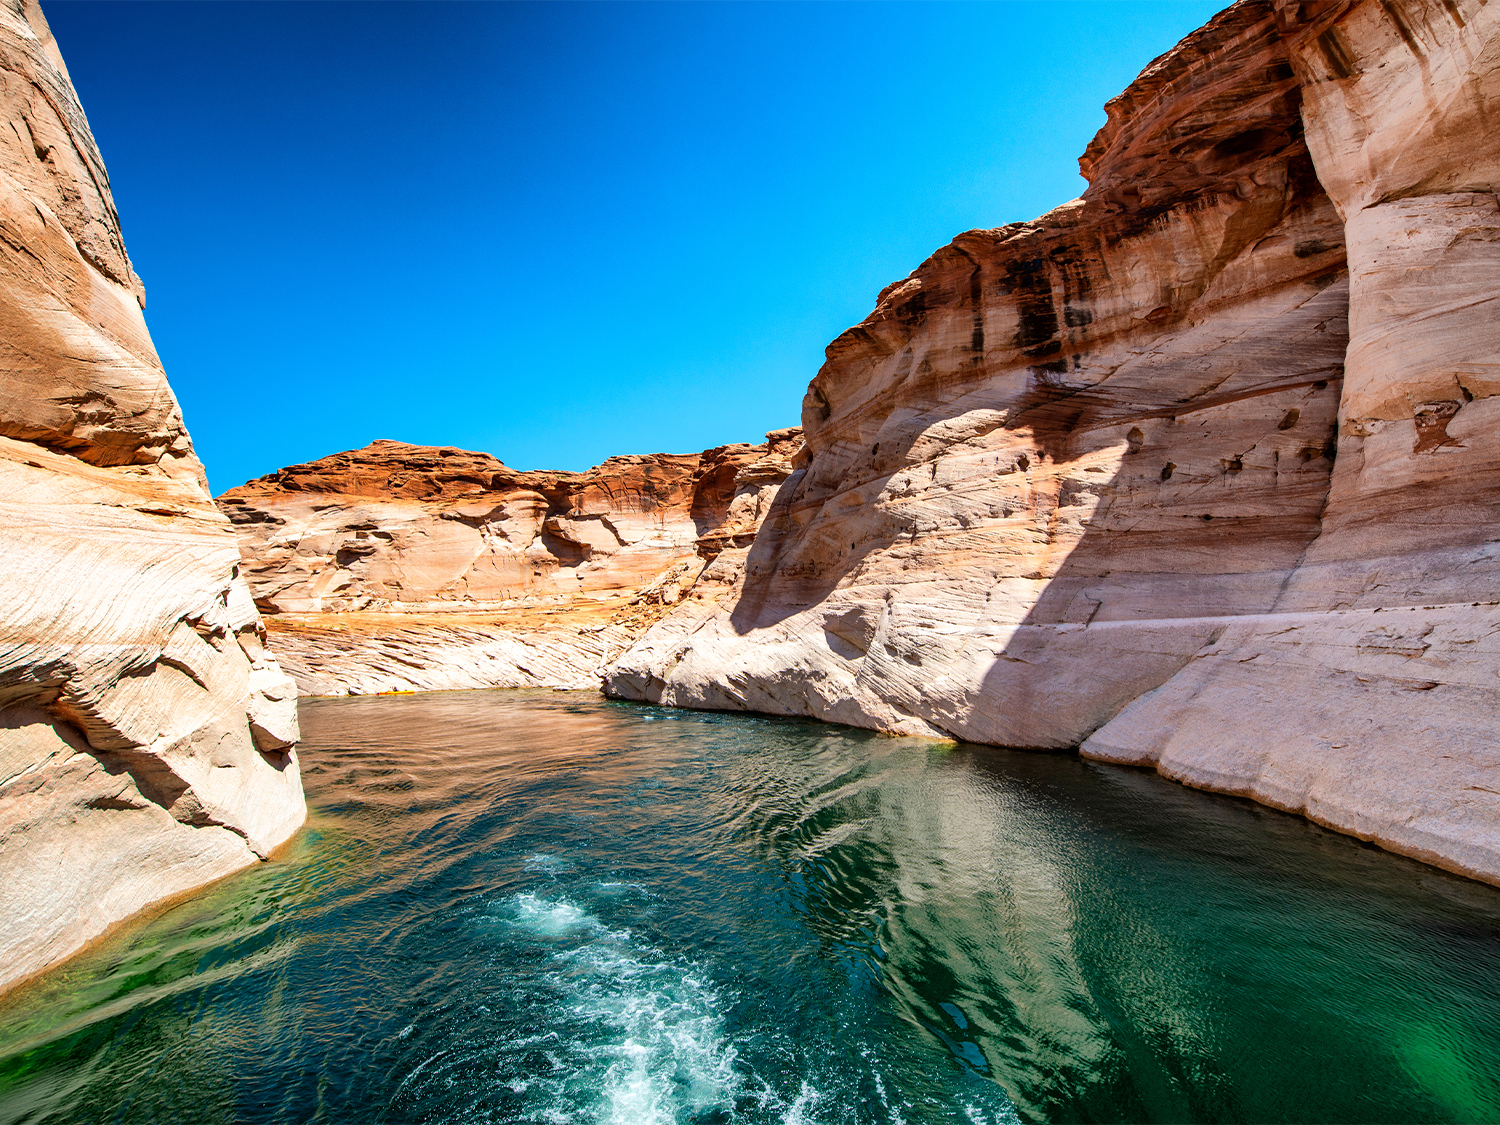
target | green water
[{"x": 519, "y": 907}]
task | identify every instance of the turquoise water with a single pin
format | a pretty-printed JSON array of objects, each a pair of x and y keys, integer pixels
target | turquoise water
[{"x": 531, "y": 907}]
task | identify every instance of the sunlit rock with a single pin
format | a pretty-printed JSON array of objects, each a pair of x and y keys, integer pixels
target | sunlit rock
[
  {"x": 146, "y": 736},
  {"x": 1197, "y": 470},
  {"x": 401, "y": 567}
]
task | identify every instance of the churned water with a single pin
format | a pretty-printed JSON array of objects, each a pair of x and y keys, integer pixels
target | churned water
[{"x": 528, "y": 907}]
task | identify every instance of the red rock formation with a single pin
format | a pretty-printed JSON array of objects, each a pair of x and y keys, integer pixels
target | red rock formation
[
  {"x": 1102, "y": 478},
  {"x": 145, "y": 734},
  {"x": 544, "y": 566}
]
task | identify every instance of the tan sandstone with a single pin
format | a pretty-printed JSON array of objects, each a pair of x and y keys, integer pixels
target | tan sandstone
[
  {"x": 1198, "y": 471},
  {"x": 401, "y": 567},
  {"x": 146, "y": 736}
]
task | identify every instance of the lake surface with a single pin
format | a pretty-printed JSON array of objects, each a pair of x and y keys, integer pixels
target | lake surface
[{"x": 538, "y": 907}]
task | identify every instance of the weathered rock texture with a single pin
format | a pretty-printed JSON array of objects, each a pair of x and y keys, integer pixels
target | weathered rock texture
[
  {"x": 1200, "y": 471},
  {"x": 402, "y": 567},
  {"x": 145, "y": 735}
]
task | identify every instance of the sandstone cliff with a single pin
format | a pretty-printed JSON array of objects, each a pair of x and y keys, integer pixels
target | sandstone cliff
[
  {"x": 1197, "y": 471},
  {"x": 401, "y": 567},
  {"x": 146, "y": 738}
]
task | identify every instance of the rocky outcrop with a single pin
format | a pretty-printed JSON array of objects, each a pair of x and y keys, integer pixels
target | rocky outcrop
[
  {"x": 1197, "y": 471},
  {"x": 146, "y": 737},
  {"x": 401, "y": 567},
  {"x": 1386, "y": 633}
]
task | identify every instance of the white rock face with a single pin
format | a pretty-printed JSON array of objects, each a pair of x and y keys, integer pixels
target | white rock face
[
  {"x": 1159, "y": 473},
  {"x": 368, "y": 653},
  {"x": 1382, "y": 726},
  {"x": 146, "y": 736}
]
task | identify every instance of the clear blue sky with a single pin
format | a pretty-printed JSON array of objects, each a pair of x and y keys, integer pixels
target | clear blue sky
[{"x": 561, "y": 231}]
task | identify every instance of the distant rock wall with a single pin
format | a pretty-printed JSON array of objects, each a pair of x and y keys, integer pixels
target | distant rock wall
[
  {"x": 401, "y": 567},
  {"x": 146, "y": 736},
  {"x": 1197, "y": 471}
]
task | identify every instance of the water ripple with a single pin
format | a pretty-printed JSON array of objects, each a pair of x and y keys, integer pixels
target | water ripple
[{"x": 532, "y": 907}]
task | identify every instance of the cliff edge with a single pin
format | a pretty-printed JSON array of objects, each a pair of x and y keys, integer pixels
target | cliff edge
[
  {"x": 146, "y": 736},
  {"x": 1197, "y": 471}
]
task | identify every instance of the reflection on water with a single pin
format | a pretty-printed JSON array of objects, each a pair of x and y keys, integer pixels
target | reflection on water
[{"x": 519, "y": 907}]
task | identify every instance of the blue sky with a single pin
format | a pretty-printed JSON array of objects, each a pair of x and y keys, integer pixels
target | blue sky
[{"x": 561, "y": 231}]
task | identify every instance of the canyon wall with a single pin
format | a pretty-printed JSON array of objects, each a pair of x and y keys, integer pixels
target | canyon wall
[
  {"x": 1196, "y": 471},
  {"x": 146, "y": 737},
  {"x": 402, "y": 567}
]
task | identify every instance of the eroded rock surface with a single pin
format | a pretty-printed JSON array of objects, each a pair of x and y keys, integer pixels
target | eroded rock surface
[
  {"x": 146, "y": 736},
  {"x": 1386, "y": 634},
  {"x": 1198, "y": 470},
  {"x": 401, "y": 567}
]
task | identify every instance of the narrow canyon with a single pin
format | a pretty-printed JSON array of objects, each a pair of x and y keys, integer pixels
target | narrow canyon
[{"x": 1197, "y": 472}]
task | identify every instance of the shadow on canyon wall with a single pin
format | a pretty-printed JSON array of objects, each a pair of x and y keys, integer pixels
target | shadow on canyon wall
[
  {"x": 1123, "y": 414},
  {"x": 1218, "y": 488}
]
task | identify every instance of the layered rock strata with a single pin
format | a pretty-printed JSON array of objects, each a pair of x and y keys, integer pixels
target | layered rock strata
[
  {"x": 1386, "y": 634},
  {"x": 400, "y": 567},
  {"x": 146, "y": 736},
  {"x": 1197, "y": 471}
]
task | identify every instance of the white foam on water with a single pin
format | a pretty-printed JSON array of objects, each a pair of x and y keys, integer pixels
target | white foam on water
[
  {"x": 797, "y": 1113},
  {"x": 1007, "y": 1117},
  {"x": 663, "y": 1052},
  {"x": 893, "y": 1110},
  {"x": 638, "y": 1038},
  {"x": 671, "y": 1055},
  {"x": 552, "y": 919}
]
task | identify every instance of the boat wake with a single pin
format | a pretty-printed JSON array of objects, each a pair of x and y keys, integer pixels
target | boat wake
[
  {"x": 629, "y": 1035},
  {"x": 644, "y": 1037}
]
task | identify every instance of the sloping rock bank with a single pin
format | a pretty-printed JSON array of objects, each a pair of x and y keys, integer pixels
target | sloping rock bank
[
  {"x": 401, "y": 567},
  {"x": 146, "y": 737},
  {"x": 1200, "y": 471}
]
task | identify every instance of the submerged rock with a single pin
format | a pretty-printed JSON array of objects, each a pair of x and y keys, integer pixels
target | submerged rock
[
  {"x": 1198, "y": 470},
  {"x": 146, "y": 735}
]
